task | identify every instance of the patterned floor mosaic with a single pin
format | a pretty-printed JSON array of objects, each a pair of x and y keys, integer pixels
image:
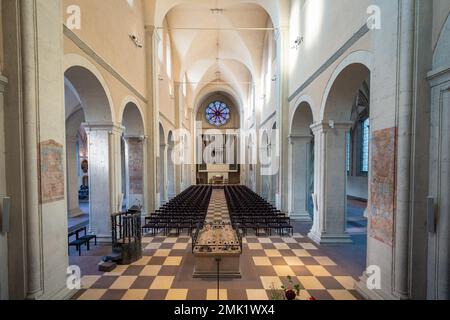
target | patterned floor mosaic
[
  {"x": 165, "y": 271},
  {"x": 218, "y": 210}
]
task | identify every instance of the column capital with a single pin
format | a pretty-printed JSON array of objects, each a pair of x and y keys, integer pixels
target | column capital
[
  {"x": 139, "y": 138},
  {"x": 293, "y": 139},
  {"x": 112, "y": 128},
  {"x": 325, "y": 126}
]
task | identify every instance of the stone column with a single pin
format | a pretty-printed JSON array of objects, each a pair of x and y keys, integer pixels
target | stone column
[
  {"x": 284, "y": 49},
  {"x": 151, "y": 145},
  {"x": 145, "y": 197},
  {"x": 405, "y": 106},
  {"x": 34, "y": 259},
  {"x": 115, "y": 145},
  {"x": 299, "y": 177},
  {"x": 170, "y": 173},
  {"x": 271, "y": 177},
  {"x": 4, "y": 289},
  {"x": 73, "y": 206},
  {"x": 103, "y": 143},
  {"x": 135, "y": 170},
  {"x": 162, "y": 173},
  {"x": 330, "y": 189}
]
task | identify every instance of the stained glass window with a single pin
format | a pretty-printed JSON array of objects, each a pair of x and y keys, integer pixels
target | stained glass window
[
  {"x": 218, "y": 113},
  {"x": 365, "y": 130}
]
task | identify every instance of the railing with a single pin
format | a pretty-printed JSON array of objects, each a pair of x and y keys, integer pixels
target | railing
[{"x": 127, "y": 236}]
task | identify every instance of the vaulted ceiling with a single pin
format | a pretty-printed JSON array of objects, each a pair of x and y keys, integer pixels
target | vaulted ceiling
[{"x": 218, "y": 47}]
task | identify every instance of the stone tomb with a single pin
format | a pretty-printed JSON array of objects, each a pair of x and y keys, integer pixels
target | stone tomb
[{"x": 213, "y": 243}]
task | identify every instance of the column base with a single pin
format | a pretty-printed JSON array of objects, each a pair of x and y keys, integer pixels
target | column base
[
  {"x": 330, "y": 239},
  {"x": 366, "y": 293},
  {"x": 63, "y": 294},
  {"x": 301, "y": 216}
]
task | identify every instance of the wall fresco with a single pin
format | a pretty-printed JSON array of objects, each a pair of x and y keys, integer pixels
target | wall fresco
[
  {"x": 136, "y": 165},
  {"x": 383, "y": 186},
  {"x": 52, "y": 171}
]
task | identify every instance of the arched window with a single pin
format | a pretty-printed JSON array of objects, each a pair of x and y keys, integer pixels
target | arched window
[
  {"x": 184, "y": 85},
  {"x": 168, "y": 58},
  {"x": 217, "y": 113},
  {"x": 348, "y": 143},
  {"x": 365, "y": 136}
]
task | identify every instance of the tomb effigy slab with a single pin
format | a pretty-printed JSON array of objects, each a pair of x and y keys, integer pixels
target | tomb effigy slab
[{"x": 217, "y": 248}]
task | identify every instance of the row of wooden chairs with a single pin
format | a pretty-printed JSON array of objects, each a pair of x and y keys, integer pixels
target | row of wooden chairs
[
  {"x": 184, "y": 212},
  {"x": 249, "y": 211}
]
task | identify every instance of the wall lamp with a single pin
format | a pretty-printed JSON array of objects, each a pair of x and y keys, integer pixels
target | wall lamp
[
  {"x": 136, "y": 40},
  {"x": 297, "y": 42}
]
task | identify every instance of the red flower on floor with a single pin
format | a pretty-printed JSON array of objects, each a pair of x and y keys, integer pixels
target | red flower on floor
[{"x": 312, "y": 299}]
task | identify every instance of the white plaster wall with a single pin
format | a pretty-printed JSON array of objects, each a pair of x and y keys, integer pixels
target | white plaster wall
[
  {"x": 166, "y": 81},
  {"x": 325, "y": 26},
  {"x": 106, "y": 26},
  {"x": 314, "y": 94},
  {"x": 383, "y": 108},
  {"x": 51, "y": 126},
  {"x": 270, "y": 75}
]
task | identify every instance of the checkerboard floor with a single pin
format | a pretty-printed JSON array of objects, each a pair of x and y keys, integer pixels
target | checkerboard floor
[
  {"x": 165, "y": 271},
  {"x": 218, "y": 209}
]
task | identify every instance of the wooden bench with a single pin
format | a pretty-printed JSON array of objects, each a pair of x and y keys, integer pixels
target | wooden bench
[
  {"x": 77, "y": 244},
  {"x": 80, "y": 241}
]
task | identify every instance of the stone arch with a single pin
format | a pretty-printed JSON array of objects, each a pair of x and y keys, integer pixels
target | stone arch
[
  {"x": 130, "y": 101},
  {"x": 331, "y": 136},
  {"x": 359, "y": 63},
  {"x": 90, "y": 87},
  {"x": 308, "y": 114},
  {"x": 301, "y": 150},
  {"x": 85, "y": 86},
  {"x": 132, "y": 120},
  {"x": 164, "y": 7},
  {"x": 133, "y": 154},
  {"x": 209, "y": 90}
]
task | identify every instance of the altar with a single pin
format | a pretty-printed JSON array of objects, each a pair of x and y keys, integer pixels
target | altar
[{"x": 217, "y": 248}]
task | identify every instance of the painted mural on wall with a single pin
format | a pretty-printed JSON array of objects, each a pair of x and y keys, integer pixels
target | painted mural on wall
[
  {"x": 136, "y": 166},
  {"x": 383, "y": 188},
  {"x": 52, "y": 171}
]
